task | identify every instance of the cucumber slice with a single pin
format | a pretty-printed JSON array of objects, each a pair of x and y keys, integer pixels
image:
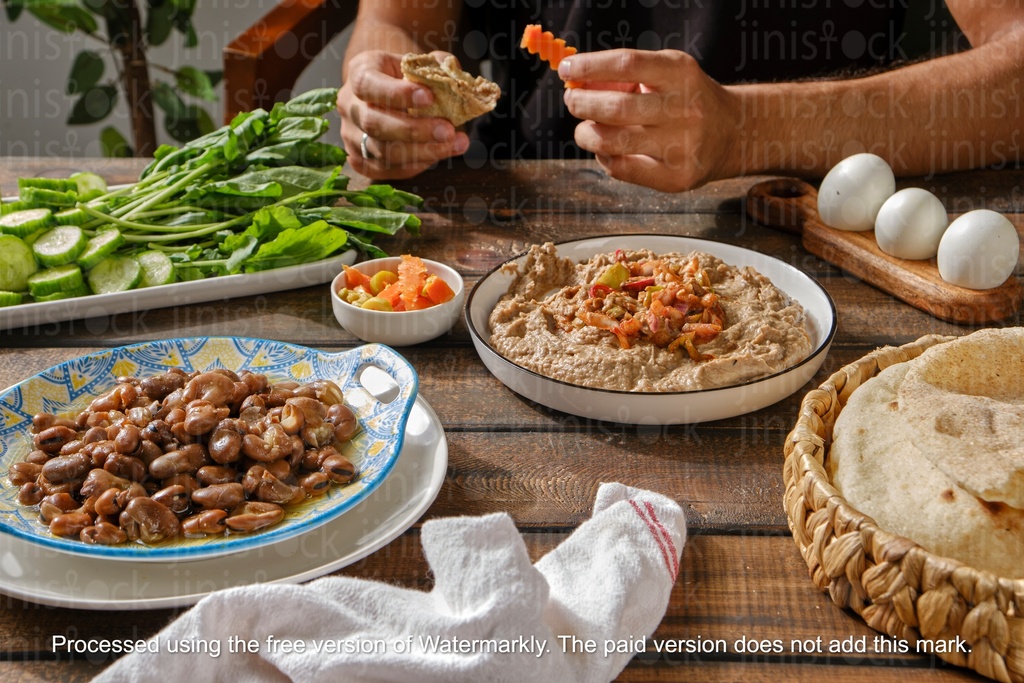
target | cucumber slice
[
  {"x": 38, "y": 196},
  {"x": 67, "y": 278},
  {"x": 71, "y": 217},
  {"x": 22, "y": 223},
  {"x": 9, "y": 299},
  {"x": 61, "y": 245},
  {"x": 99, "y": 247},
  {"x": 157, "y": 268},
  {"x": 70, "y": 294},
  {"x": 11, "y": 207},
  {"x": 16, "y": 264},
  {"x": 55, "y": 184},
  {"x": 89, "y": 185},
  {"x": 115, "y": 274}
]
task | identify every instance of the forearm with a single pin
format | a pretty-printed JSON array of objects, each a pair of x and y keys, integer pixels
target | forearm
[
  {"x": 956, "y": 112},
  {"x": 410, "y": 29}
]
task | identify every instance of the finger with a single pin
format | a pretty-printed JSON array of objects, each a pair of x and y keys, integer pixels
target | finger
[
  {"x": 380, "y": 83},
  {"x": 659, "y": 70},
  {"x": 605, "y": 140},
  {"x": 643, "y": 170},
  {"x": 388, "y": 124},
  {"x": 616, "y": 108}
]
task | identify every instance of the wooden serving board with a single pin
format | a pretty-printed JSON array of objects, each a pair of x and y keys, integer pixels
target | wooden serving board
[{"x": 792, "y": 205}]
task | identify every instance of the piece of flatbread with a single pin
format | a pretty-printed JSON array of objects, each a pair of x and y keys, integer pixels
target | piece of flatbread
[
  {"x": 965, "y": 400},
  {"x": 458, "y": 96},
  {"x": 883, "y": 474}
]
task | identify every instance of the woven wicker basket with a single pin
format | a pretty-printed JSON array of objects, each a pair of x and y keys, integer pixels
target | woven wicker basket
[{"x": 896, "y": 586}]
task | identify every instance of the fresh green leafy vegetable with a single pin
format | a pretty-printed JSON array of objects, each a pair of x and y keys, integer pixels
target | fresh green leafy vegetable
[{"x": 262, "y": 192}]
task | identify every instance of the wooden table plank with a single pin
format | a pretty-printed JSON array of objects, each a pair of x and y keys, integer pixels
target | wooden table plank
[{"x": 729, "y": 587}]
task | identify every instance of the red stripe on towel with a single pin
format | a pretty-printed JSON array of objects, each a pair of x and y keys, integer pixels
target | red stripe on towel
[
  {"x": 668, "y": 539},
  {"x": 656, "y": 535}
]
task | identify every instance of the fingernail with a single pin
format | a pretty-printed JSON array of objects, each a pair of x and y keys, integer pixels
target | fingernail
[
  {"x": 564, "y": 69},
  {"x": 443, "y": 132},
  {"x": 422, "y": 98},
  {"x": 461, "y": 144}
]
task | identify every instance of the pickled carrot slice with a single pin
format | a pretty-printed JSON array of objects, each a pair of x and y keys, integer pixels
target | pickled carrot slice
[{"x": 544, "y": 44}]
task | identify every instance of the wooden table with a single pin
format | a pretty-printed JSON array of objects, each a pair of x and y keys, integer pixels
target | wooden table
[{"x": 741, "y": 574}]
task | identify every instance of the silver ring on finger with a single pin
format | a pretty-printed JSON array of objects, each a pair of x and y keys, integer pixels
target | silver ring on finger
[{"x": 363, "y": 149}]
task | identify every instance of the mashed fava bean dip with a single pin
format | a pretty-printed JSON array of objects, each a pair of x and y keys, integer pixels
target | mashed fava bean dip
[{"x": 637, "y": 321}]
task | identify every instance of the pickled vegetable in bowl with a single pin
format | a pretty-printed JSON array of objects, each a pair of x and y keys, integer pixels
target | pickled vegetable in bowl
[{"x": 412, "y": 288}]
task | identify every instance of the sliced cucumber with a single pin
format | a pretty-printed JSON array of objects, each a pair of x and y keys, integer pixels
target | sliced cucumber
[
  {"x": 10, "y": 299},
  {"x": 55, "y": 184},
  {"x": 71, "y": 217},
  {"x": 38, "y": 196},
  {"x": 16, "y": 264},
  {"x": 67, "y": 278},
  {"x": 99, "y": 247},
  {"x": 25, "y": 222},
  {"x": 11, "y": 207},
  {"x": 115, "y": 274},
  {"x": 70, "y": 294},
  {"x": 89, "y": 185},
  {"x": 61, "y": 245},
  {"x": 157, "y": 268}
]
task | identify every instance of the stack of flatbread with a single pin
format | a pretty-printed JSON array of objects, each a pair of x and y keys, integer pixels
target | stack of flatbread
[
  {"x": 933, "y": 449},
  {"x": 458, "y": 96}
]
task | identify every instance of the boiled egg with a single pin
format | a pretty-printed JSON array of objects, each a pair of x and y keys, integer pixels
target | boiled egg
[
  {"x": 910, "y": 224},
  {"x": 978, "y": 250},
  {"x": 854, "y": 190}
]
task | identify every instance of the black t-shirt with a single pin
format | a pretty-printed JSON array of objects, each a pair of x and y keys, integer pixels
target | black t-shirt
[{"x": 733, "y": 41}]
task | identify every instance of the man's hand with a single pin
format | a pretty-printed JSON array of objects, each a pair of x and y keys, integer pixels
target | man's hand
[
  {"x": 673, "y": 130},
  {"x": 374, "y": 100}
]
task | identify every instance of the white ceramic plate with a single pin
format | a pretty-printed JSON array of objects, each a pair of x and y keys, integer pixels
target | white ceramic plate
[
  {"x": 70, "y": 386},
  {"x": 177, "y": 294},
  {"x": 44, "y": 576},
  {"x": 681, "y": 407}
]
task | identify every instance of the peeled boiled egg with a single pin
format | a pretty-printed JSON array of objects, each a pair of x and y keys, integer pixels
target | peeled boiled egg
[
  {"x": 910, "y": 224},
  {"x": 854, "y": 190},
  {"x": 978, "y": 250}
]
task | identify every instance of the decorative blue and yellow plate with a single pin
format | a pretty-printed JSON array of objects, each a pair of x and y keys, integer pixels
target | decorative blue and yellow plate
[{"x": 70, "y": 386}]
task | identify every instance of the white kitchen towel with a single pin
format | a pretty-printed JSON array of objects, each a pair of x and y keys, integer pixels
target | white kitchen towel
[{"x": 577, "y": 615}]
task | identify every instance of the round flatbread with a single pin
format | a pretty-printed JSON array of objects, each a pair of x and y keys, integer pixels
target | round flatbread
[
  {"x": 965, "y": 400},
  {"x": 884, "y": 475},
  {"x": 458, "y": 96}
]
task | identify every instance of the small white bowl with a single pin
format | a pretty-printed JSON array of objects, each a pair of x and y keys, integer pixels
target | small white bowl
[{"x": 399, "y": 328}]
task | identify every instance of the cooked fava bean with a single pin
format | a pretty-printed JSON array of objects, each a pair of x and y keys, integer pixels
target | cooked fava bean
[
  {"x": 38, "y": 457},
  {"x": 175, "y": 498},
  {"x": 51, "y": 439},
  {"x": 315, "y": 483},
  {"x": 23, "y": 472},
  {"x": 108, "y": 503},
  {"x": 344, "y": 420},
  {"x": 70, "y": 524},
  {"x": 125, "y": 466},
  {"x": 99, "y": 480},
  {"x": 103, "y": 533},
  {"x": 216, "y": 449},
  {"x": 46, "y": 420},
  {"x": 339, "y": 468},
  {"x": 65, "y": 468},
  {"x": 146, "y": 520},
  {"x": 225, "y": 444},
  {"x": 205, "y": 523},
  {"x": 128, "y": 438},
  {"x": 252, "y": 515},
  {"x": 209, "y": 475},
  {"x": 30, "y": 493},
  {"x": 222, "y": 496}
]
